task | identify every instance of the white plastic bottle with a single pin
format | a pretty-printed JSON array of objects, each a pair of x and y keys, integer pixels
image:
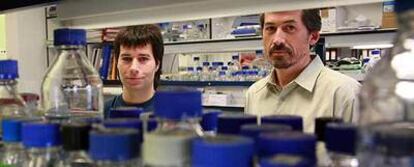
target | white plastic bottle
[{"x": 179, "y": 113}]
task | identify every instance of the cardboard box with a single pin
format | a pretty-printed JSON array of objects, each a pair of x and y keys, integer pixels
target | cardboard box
[
  {"x": 332, "y": 18},
  {"x": 389, "y": 18}
]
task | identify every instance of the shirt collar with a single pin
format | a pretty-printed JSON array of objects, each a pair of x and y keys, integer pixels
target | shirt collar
[{"x": 306, "y": 79}]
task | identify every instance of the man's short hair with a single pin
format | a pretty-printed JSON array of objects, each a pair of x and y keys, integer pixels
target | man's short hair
[
  {"x": 310, "y": 17},
  {"x": 142, "y": 35}
]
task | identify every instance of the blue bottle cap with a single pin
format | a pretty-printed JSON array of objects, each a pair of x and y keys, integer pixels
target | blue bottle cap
[
  {"x": 341, "y": 137},
  {"x": 215, "y": 64},
  {"x": 66, "y": 36},
  {"x": 187, "y": 26},
  {"x": 209, "y": 120},
  {"x": 199, "y": 68},
  {"x": 9, "y": 69},
  {"x": 113, "y": 144},
  {"x": 294, "y": 121},
  {"x": 164, "y": 25},
  {"x": 288, "y": 142},
  {"x": 220, "y": 63},
  {"x": 229, "y": 123},
  {"x": 224, "y": 68},
  {"x": 222, "y": 151},
  {"x": 177, "y": 104},
  {"x": 252, "y": 72},
  {"x": 235, "y": 57},
  {"x": 125, "y": 112},
  {"x": 320, "y": 126},
  {"x": 245, "y": 67},
  {"x": 396, "y": 141},
  {"x": 402, "y": 6},
  {"x": 196, "y": 58},
  {"x": 222, "y": 73},
  {"x": 206, "y": 63},
  {"x": 259, "y": 52},
  {"x": 12, "y": 128},
  {"x": 253, "y": 130},
  {"x": 152, "y": 124},
  {"x": 235, "y": 73},
  {"x": 375, "y": 52},
  {"x": 190, "y": 68},
  {"x": 285, "y": 160},
  {"x": 40, "y": 134}
]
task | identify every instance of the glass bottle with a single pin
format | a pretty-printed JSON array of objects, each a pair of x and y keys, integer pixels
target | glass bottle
[
  {"x": 262, "y": 65},
  {"x": 340, "y": 140},
  {"x": 41, "y": 141},
  {"x": 198, "y": 74},
  {"x": 196, "y": 62},
  {"x": 71, "y": 87},
  {"x": 12, "y": 104},
  {"x": 234, "y": 65},
  {"x": 288, "y": 142},
  {"x": 320, "y": 132},
  {"x": 12, "y": 153},
  {"x": 178, "y": 112},
  {"x": 205, "y": 74},
  {"x": 75, "y": 142},
  {"x": 387, "y": 101}
]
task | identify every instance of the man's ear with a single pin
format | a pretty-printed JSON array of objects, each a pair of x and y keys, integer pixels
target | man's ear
[
  {"x": 314, "y": 38},
  {"x": 157, "y": 66}
]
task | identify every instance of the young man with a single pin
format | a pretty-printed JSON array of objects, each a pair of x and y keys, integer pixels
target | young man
[
  {"x": 299, "y": 83},
  {"x": 139, "y": 51}
]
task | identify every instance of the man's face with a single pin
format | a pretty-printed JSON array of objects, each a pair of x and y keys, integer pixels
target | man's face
[
  {"x": 285, "y": 38},
  {"x": 137, "y": 67}
]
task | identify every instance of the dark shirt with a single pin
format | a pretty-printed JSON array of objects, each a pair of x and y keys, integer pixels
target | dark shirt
[{"x": 118, "y": 101}]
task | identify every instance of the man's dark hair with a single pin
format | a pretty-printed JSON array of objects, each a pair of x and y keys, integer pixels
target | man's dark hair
[
  {"x": 310, "y": 17},
  {"x": 142, "y": 35}
]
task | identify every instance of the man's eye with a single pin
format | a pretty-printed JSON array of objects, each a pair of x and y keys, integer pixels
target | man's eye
[
  {"x": 142, "y": 59},
  {"x": 270, "y": 28},
  {"x": 127, "y": 59},
  {"x": 290, "y": 28}
]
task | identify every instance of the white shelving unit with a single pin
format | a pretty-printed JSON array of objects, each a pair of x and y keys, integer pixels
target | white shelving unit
[
  {"x": 332, "y": 40},
  {"x": 108, "y": 13}
]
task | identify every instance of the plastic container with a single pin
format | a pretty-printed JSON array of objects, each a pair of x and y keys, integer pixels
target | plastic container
[{"x": 178, "y": 112}]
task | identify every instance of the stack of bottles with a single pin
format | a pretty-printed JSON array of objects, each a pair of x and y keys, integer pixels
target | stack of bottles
[
  {"x": 185, "y": 31},
  {"x": 182, "y": 136},
  {"x": 217, "y": 71},
  {"x": 177, "y": 134}
]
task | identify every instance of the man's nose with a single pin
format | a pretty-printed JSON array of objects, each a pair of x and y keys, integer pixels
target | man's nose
[
  {"x": 279, "y": 37},
  {"x": 134, "y": 66}
]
